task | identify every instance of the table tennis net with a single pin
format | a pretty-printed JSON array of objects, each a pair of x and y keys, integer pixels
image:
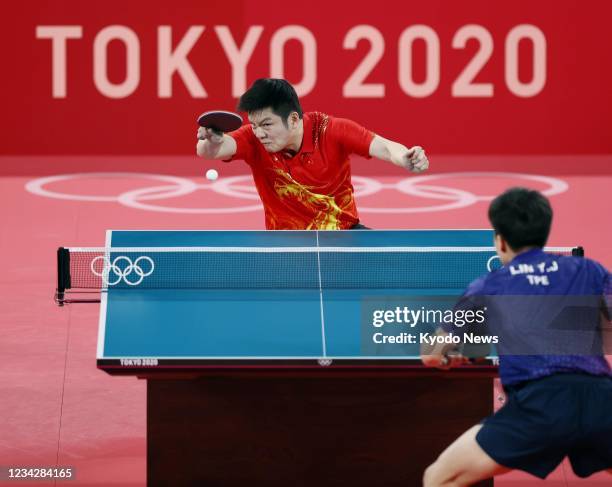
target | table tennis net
[{"x": 271, "y": 268}]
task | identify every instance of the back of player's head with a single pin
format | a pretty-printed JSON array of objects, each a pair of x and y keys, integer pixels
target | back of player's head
[
  {"x": 276, "y": 94},
  {"x": 522, "y": 217}
]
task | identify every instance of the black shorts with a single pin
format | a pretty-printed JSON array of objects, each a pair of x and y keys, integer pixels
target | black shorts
[
  {"x": 359, "y": 226},
  {"x": 547, "y": 419}
]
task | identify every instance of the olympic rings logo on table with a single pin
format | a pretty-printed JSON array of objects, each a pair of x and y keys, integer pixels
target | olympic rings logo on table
[
  {"x": 122, "y": 273},
  {"x": 242, "y": 188}
]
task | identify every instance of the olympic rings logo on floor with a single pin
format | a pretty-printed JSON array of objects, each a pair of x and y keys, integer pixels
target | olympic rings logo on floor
[
  {"x": 121, "y": 273},
  {"x": 242, "y": 188}
]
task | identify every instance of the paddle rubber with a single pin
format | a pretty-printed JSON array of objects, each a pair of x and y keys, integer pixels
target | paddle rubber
[{"x": 220, "y": 121}]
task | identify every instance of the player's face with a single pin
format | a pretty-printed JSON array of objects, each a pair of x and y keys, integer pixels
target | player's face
[{"x": 271, "y": 131}]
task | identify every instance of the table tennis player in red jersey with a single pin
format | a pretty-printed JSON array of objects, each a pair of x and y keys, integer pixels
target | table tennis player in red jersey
[{"x": 300, "y": 161}]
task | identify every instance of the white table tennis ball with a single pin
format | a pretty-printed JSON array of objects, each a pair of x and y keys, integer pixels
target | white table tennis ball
[{"x": 211, "y": 174}]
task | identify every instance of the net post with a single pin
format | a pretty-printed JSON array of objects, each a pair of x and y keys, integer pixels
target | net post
[
  {"x": 578, "y": 251},
  {"x": 63, "y": 275}
]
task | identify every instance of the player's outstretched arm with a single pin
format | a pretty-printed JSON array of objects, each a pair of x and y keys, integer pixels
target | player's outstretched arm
[
  {"x": 413, "y": 159},
  {"x": 214, "y": 145}
]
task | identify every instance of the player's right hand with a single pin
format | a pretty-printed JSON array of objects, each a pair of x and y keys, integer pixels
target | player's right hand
[
  {"x": 444, "y": 362},
  {"x": 211, "y": 135}
]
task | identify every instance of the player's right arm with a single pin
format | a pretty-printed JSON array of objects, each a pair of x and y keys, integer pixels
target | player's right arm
[
  {"x": 212, "y": 145},
  {"x": 441, "y": 355},
  {"x": 447, "y": 355}
]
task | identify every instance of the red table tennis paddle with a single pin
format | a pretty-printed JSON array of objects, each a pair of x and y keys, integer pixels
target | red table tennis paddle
[{"x": 220, "y": 121}]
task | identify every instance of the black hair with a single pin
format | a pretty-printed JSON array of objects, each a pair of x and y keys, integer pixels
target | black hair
[
  {"x": 522, "y": 217},
  {"x": 276, "y": 94}
]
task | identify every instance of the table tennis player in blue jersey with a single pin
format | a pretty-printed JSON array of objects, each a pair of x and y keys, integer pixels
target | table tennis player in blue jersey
[{"x": 558, "y": 404}]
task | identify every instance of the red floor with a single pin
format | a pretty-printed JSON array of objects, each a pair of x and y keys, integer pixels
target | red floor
[{"x": 56, "y": 406}]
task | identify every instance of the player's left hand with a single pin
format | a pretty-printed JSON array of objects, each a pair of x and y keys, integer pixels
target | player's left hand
[{"x": 416, "y": 160}]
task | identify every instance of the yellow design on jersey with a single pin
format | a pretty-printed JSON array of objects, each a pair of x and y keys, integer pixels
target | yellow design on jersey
[{"x": 325, "y": 208}]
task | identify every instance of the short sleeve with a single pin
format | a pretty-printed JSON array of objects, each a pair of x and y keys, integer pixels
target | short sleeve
[
  {"x": 245, "y": 144},
  {"x": 353, "y": 138}
]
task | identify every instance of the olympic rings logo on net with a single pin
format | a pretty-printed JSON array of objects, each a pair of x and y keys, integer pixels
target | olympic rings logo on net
[
  {"x": 238, "y": 188},
  {"x": 490, "y": 263},
  {"x": 121, "y": 273}
]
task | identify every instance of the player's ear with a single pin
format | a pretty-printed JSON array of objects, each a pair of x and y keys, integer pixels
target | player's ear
[
  {"x": 503, "y": 245},
  {"x": 500, "y": 243},
  {"x": 294, "y": 120}
]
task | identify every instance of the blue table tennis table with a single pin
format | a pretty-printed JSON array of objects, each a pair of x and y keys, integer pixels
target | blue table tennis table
[
  {"x": 215, "y": 299},
  {"x": 258, "y": 352}
]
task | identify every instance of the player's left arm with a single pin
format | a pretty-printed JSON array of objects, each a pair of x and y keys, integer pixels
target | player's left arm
[
  {"x": 355, "y": 139},
  {"x": 413, "y": 158}
]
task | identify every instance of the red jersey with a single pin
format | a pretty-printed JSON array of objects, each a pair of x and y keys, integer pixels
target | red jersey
[{"x": 311, "y": 189}]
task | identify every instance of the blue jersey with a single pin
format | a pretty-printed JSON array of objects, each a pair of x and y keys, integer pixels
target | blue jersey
[{"x": 536, "y": 305}]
